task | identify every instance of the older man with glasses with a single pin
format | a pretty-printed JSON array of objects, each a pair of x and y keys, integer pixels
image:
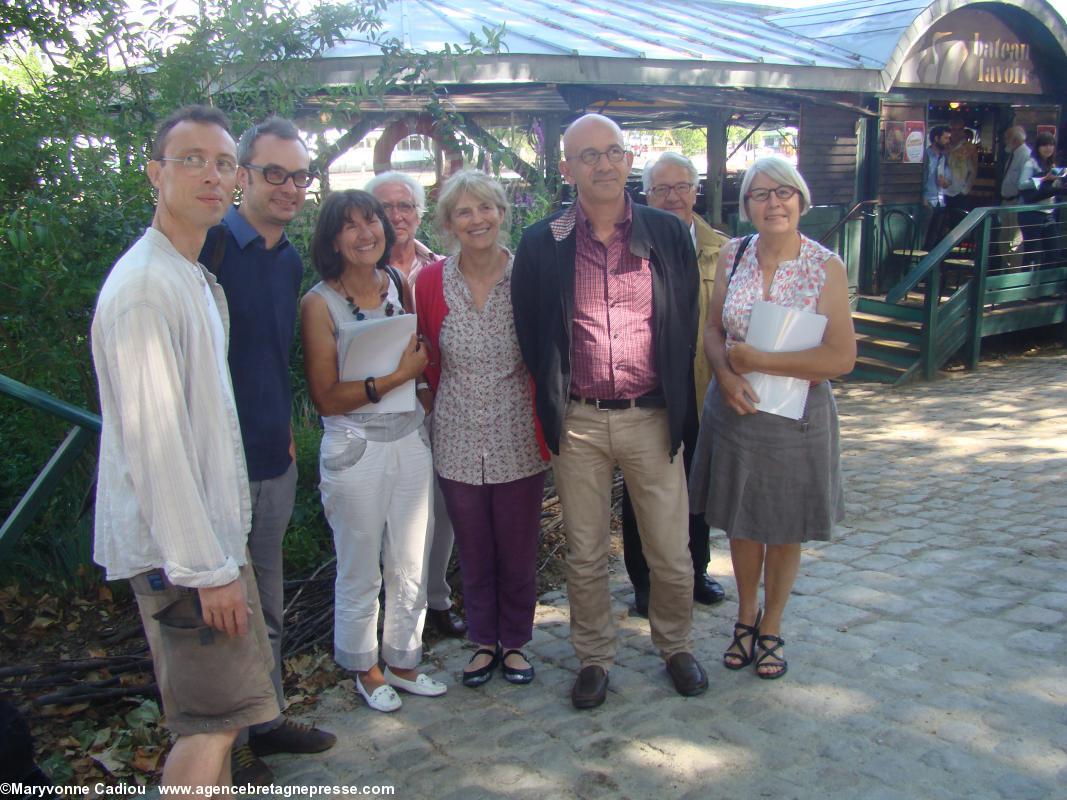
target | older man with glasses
[
  {"x": 670, "y": 184},
  {"x": 604, "y": 295},
  {"x": 404, "y": 201}
]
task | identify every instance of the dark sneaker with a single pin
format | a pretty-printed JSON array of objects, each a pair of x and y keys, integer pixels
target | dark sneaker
[
  {"x": 246, "y": 768},
  {"x": 291, "y": 737}
]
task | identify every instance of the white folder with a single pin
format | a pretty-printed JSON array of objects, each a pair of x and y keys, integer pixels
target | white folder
[
  {"x": 776, "y": 329},
  {"x": 373, "y": 348}
]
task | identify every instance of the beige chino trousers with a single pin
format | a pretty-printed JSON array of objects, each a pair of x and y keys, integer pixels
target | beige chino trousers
[{"x": 637, "y": 439}]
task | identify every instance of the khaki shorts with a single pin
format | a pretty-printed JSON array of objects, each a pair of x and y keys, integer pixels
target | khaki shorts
[{"x": 209, "y": 681}]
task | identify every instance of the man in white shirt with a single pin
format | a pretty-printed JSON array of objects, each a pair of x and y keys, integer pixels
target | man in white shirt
[
  {"x": 1009, "y": 236},
  {"x": 173, "y": 509}
]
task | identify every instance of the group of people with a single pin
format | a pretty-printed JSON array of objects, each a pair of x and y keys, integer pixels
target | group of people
[
  {"x": 1030, "y": 177},
  {"x": 613, "y": 336}
]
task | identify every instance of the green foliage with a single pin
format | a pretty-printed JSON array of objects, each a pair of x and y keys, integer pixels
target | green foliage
[{"x": 82, "y": 85}]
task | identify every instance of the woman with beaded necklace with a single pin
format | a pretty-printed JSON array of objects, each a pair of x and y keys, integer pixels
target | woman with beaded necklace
[{"x": 376, "y": 470}]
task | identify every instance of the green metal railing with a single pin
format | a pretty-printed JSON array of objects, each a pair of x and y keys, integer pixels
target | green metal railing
[
  {"x": 962, "y": 319},
  {"x": 86, "y": 427}
]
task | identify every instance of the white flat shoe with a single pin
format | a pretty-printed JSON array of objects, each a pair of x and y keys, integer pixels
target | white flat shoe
[
  {"x": 384, "y": 698},
  {"x": 423, "y": 685}
]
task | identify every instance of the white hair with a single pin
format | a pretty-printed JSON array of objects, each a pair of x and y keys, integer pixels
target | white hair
[
  {"x": 418, "y": 194},
  {"x": 668, "y": 158},
  {"x": 781, "y": 171}
]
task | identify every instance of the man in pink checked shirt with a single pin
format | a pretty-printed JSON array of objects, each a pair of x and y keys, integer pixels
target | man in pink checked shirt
[{"x": 605, "y": 299}]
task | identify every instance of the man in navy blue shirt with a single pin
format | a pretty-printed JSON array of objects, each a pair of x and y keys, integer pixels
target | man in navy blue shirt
[{"x": 261, "y": 273}]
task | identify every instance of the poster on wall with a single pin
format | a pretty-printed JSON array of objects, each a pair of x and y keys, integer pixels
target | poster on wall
[
  {"x": 914, "y": 141},
  {"x": 1049, "y": 129},
  {"x": 893, "y": 141}
]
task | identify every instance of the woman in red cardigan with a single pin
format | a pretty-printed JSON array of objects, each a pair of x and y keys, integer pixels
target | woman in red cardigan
[{"x": 486, "y": 447}]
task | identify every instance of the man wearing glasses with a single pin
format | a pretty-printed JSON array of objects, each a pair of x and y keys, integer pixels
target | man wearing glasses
[
  {"x": 604, "y": 295},
  {"x": 670, "y": 184},
  {"x": 261, "y": 273},
  {"x": 404, "y": 201},
  {"x": 172, "y": 502}
]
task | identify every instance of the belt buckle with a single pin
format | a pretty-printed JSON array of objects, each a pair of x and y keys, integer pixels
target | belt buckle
[{"x": 599, "y": 407}]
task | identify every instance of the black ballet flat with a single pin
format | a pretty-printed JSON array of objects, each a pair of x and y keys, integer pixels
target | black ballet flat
[
  {"x": 517, "y": 676},
  {"x": 483, "y": 674}
]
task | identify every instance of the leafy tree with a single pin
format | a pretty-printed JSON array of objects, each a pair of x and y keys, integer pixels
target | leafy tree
[{"x": 82, "y": 84}]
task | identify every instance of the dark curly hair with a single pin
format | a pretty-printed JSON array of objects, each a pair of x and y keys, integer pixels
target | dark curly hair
[{"x": 336, "y": 210}]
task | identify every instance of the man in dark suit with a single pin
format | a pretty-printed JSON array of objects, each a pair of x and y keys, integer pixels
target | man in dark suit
[{"x": 605, "y": 299}]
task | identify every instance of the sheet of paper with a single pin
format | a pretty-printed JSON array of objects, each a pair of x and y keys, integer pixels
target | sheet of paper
[
  {"x": 776, "y": 329},
  {"x": 372, "y": 348}
]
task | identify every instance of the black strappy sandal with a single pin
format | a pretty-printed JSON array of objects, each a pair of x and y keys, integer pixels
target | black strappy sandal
[
  {"x": 743, "y": 657},
  {"x": 774, "y": 653}
]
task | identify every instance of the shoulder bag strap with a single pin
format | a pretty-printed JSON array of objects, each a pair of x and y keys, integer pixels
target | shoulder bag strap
[{"x": 737, "y": 256}]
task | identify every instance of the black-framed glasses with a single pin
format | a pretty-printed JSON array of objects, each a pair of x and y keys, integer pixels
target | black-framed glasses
[
  {"x": 195, "y": 165},
  {"x": 661, "y": 192},
  {"x": 783, "y": 193},
  {"x": 403, "y": 207},
  {"x": 591, "y": 157},
  {"x": 277, "y": 176}
]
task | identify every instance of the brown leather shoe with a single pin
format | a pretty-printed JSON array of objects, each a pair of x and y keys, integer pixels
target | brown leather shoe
[
  {"x": 688, "y": 676},
  {"x": 446, "y": 622},
  {"x": 590, "y": 687}
]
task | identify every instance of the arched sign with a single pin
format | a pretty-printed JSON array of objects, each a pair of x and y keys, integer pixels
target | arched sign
[{"x": 971, "y": 50}]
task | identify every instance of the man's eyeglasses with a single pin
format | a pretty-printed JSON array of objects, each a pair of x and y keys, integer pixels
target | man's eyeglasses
[
  {"x": 195, "y": 165},
  {"x": 591, "y": 157},
  {"x": 661, "y": 192},
  {"x": 276, "y": 176},
  {"x": 783, "y": 193},
  {"x": 402, "y": 207}
]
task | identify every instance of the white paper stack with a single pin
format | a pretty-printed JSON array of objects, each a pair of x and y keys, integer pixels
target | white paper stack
[
  {"x": 776, "y": 329},
  {"x": 373, "y": 348}
]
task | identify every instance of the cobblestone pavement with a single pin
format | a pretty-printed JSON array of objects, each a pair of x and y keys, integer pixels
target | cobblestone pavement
[{"x": 925, "y": 643}]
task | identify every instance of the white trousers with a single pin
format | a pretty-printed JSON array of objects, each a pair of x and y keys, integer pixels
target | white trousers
[{"x": 381, "y": 511}]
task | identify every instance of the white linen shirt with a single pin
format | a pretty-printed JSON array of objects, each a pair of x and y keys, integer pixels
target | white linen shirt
[{"x": 172, "y": 490}]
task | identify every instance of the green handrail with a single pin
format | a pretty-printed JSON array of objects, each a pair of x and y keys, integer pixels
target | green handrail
[
  {"x": 926, "y": 264},
  {"x": 929, "y": 269},
  {"x": 86, "y": 424}
]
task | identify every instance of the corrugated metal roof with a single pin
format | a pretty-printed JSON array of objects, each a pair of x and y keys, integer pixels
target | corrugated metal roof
[
  {"x": 628, "y": 29},
  {"x": 870, "y": 28}
]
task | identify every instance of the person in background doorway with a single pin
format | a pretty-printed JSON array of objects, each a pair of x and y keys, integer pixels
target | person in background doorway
[
  {"x": 1009, "y": 237},
  {"x": 937, "y": 177}
]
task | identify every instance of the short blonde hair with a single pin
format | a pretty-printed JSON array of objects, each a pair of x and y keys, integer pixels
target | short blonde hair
[
  {"x": 780, "y": 170},
  {"x": 481, "y": 186}
]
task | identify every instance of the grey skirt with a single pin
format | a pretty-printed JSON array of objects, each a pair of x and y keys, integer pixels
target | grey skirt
[{"x": 768, "y": 478}]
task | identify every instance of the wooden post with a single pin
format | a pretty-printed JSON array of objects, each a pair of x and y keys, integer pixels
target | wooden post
[
  {"x": 552, "y": 131},
  {"x": 716, "y": 138}
]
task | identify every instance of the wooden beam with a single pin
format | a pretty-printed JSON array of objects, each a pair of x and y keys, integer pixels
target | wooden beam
[
  {"x": 716, "y": 138},
  {"x": 359, "y": 129}
]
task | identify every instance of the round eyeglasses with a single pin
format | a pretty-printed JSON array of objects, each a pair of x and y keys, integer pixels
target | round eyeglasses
[
  {"x": 277, "y": 176},
  {"x": 591, "y": 157}
]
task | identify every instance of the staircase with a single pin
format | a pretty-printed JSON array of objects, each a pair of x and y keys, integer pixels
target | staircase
[
  {"x": 914, "y": 330},
  {"x": 888, "y": 340}
]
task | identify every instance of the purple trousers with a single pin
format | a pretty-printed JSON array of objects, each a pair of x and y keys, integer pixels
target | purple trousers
[{"x": 497, "y": 529}]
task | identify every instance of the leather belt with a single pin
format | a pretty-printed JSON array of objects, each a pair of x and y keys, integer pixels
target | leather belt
[{"x": 618, "y": 405}]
